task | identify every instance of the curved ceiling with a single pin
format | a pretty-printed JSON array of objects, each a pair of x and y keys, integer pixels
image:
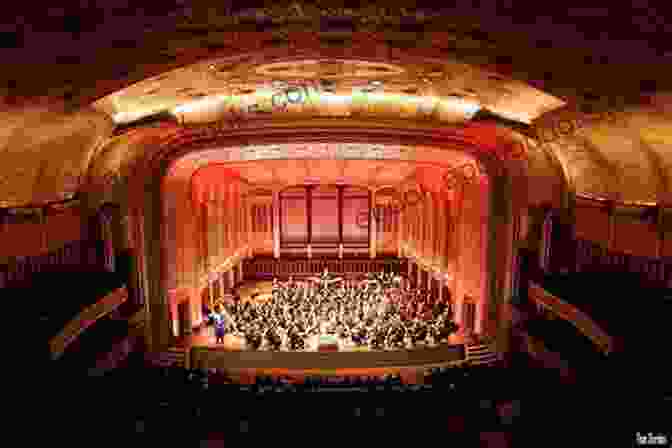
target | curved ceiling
[
  {"x": 197, "y": 72},
  {"x": 365, "y": 164},
  {"x": 46, "y": 152},
  {"x": 252, "y": 85},
  {"x": 625, "y": 157}
]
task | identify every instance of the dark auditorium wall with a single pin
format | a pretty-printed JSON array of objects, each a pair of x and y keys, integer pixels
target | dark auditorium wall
[
  {"x": 635, "y": 234},
  {"x": 632, "y": 230},
  {"x": 607, "y": 238},
  {"x": 592, "y": 222}
]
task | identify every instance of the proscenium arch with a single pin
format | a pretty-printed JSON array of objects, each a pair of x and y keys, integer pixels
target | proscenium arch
[{"x": 146, "y": 198}]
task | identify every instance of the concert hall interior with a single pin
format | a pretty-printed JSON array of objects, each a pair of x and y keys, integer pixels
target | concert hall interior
[{"x": 469, "y": 204}]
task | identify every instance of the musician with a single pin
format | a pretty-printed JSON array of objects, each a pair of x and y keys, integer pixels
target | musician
[{"x": 221, "y": 320}]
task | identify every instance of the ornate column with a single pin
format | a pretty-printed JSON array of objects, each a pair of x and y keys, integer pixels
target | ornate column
[
  {"x": 246, "y": 217},
  {"x": 146, "y": 204},
  {"x": 340, "y": 221},
  {"x": 425, "y": 222},
  {"x": 234, "y": 219},
  {"x": 230, "y": 221},
  {"x": 417, "y": 235},
  {"x": 239, "y": 218},
  {"x": 248, "y": 220},
  {"x": 373, "y": 234},
  {"x": 429, "y": 228},
  {"x": 507, "y": 201},
  {"x": 241, "y": 277},
  {"x": 276, "y": 223},
  {"x": 456, "y": 239},
  {"x": 309, "y": 218},
  {"x": 226, "y": 217},
  {"x": 482, "y": 305},
  {"x": 240, "y": 209},
  {"x": 438, "y": 231},
  {"x": 211, "y": 230},
  {"x": 221, "y": 225},
  {"x": 445, "y": 231}
]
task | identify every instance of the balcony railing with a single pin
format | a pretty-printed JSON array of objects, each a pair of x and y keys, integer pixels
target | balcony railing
[
  {"x": 85, "y": 319},
  {"x": 572, "y": 314}
]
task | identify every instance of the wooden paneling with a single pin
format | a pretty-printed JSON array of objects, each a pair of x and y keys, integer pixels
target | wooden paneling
[
  {"x": 63, "y": 228},
  {"x": 592, "y": 223},
  {"x": 21, "y": 239},
  {"x": 667, "y": 246},
  {"x": 634, "y": 236}
]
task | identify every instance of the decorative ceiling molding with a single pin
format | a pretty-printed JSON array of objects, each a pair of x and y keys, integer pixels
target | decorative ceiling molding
[
  {"x": 45, "y": 158},
  {"x": 230, "y": 91}
]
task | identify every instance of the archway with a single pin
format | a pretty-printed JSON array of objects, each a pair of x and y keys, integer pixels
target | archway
[{"x": 148, "y": 215}]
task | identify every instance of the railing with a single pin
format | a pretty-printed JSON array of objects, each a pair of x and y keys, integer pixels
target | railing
[
  {"x": 264, "y": 268},
  {"x": 656, "y": 272},
  {"x": 571, "y": 314},
  {"x": 207, "y": 357},
  {"x": 85, "y": 319}
]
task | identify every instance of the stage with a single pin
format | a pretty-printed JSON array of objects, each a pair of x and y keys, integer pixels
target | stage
[{"x": 333, "y": 355}]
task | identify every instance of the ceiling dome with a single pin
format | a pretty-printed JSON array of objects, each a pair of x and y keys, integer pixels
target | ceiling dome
[{"x": 621, "y": 156}]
